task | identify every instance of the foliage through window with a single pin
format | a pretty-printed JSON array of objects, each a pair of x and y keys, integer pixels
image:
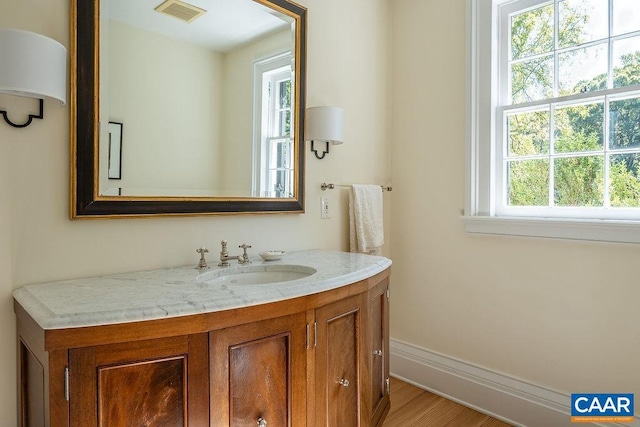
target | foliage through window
[{"x": 568, "y": 116}]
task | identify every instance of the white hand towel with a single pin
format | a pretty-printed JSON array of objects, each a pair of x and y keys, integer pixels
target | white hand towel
[{"x": 366, "y": 233}]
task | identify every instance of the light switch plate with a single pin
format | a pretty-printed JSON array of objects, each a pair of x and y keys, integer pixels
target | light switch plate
[{"x": 325, "y": 207}]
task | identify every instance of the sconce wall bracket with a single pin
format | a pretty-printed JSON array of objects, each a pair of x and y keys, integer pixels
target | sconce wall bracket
[
  {"x": 324, "y": 152},
  {"x": 40, "y": 115}
]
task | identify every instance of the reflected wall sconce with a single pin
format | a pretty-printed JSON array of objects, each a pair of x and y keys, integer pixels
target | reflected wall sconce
[
  {"x": 324, "y": 124},
  {"x": 33, "y": 66}
]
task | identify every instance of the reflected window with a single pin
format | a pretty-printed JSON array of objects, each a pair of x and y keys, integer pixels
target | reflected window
[{"x": 273, "y": 142}]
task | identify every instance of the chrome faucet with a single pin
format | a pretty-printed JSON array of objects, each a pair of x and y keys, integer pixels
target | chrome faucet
[{"x": 224, "y": 255}]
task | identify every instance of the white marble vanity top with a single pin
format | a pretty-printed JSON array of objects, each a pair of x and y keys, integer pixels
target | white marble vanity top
[{"x": 170, "y": 292}]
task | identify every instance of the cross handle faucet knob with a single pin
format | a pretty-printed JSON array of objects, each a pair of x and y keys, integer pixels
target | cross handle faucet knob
[
  {"x": 202, "y": 264},
  {"x": 244, "y": 258}
]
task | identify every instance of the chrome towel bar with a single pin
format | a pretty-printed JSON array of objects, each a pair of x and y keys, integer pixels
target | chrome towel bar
[{"x": 324, "y": 186}]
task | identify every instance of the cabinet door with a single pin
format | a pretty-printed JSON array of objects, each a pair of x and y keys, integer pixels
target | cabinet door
[
  {"x": 258, "y": 372},
  {"x": 379, "y": 351},
  {"x": 161, "y": 382},
  {"x": 339, "y": 363}
]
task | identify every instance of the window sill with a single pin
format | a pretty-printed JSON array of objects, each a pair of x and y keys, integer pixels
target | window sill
[{"x": 556, "y": 228}]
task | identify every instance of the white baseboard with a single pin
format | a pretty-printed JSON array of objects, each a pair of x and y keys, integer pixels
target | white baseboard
[{"x": 509, "y": 399}]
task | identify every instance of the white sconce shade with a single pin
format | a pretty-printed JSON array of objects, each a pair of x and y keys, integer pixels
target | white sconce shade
[
  {"x": 32, "y": 65},
  {"x": 324, "y": 124}
]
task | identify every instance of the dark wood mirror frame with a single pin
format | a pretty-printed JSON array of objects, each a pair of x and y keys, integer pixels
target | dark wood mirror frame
[{"x": 85, "y": 201}]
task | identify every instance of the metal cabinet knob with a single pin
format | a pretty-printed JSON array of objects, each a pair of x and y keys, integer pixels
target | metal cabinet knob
[
  {"x": 262, "y": 422},
  {"x": 377, "y": 352},
  {"x": 343, "y": 382}
]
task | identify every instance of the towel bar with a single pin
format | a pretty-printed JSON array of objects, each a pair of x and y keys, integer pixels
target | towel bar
[{"x": 326, "y": 186}]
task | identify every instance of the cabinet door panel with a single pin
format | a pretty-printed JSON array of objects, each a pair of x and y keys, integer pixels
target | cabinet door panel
[
  {"x": 142, "y": 383},
  {"x": 258, "y": 370},
  {"x": 379, "y": 351},
  {"x": 259, "y": 380},
  {"x": 339, "y": 363},
  {"x": 32, "y": 388},
  {"x": 378, "y": 355},
  {"x": 150, "y": 393},
  {"x": 342, "y": 364}
]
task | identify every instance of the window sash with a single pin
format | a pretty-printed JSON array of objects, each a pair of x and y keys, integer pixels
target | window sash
[
  {"x": 504, "y": 107},
  {"x": 279, "y": 172}
]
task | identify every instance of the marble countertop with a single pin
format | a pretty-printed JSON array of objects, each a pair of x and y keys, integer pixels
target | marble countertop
[{"x": 180, "y": 291}]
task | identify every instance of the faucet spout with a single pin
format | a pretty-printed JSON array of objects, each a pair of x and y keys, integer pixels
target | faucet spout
[{"x": 225, "y": 257}]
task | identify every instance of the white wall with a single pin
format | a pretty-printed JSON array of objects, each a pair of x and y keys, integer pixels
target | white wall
[
  {"x": 8, "y": 140},
  {"x": 347, "y": 67},
  {"x": 167, "y": 95},
  {"x": 560, "y": 314}
]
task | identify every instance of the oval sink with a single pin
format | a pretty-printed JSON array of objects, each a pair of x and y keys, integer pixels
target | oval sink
[{"x": 256, "y": 274}]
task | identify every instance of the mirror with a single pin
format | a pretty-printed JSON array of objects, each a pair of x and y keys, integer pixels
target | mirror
[{"x": 187, "y": 107}]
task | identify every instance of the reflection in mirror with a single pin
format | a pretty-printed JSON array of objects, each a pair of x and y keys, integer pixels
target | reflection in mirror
[
  {"x": 223, "y": 93},
  {"x": 114, "y": 163},
  {"x": 211, "y": 94}
]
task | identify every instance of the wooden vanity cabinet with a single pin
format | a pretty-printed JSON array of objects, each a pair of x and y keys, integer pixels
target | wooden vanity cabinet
[
  {"x": 307, "y": 361},
  {"x": 259, "y": 370},
  {"x": 379, "y": 351},
  {"x": 258, "y": 373}
]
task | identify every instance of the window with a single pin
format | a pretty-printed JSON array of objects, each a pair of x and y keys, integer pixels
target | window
[
  {"x": 274, "y": 156},
  {"x": 555, "y": 120}
]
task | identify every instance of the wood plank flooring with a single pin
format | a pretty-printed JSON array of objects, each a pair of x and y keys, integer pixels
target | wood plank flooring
[{"x": 413, "y": 407}]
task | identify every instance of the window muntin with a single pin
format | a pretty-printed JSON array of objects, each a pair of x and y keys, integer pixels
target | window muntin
[{"x": 568, "y": 118}]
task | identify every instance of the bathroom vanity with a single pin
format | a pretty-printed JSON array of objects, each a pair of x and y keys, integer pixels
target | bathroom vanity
[{"x": 218, "y": 347}]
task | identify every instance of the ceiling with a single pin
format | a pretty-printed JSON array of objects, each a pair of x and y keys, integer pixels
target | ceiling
[{"x": 226, "y": 25}]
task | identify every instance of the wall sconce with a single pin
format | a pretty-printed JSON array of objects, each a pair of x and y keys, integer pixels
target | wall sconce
[
  {"x": 324, "y": 124},
  {"x": 33, "y": 66}
]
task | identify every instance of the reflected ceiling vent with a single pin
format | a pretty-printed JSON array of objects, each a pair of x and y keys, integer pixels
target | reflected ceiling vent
[{"x": 178, "y": 9}]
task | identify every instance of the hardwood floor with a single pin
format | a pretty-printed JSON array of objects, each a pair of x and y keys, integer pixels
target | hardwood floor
[{"x": 413, "y": 407}]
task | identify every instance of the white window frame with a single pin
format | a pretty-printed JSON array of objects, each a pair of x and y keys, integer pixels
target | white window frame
[
  {"x": 480, "y": 214},
  {"x": 266, "y": 68}
]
